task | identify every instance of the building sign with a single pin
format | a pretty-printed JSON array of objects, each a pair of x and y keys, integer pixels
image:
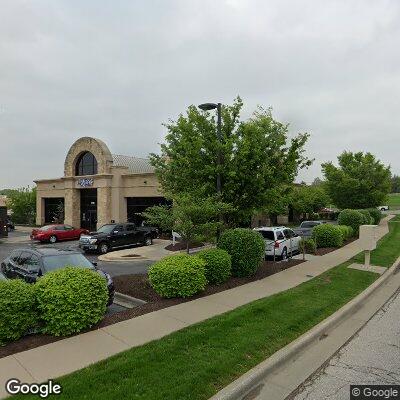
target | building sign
[{"x": 85, "y": 182}]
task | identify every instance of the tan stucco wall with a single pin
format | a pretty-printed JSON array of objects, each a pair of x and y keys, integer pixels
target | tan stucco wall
[{"x": 114, "y": 185}]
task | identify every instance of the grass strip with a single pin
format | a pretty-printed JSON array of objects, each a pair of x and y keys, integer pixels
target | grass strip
[
  {"x": 388, "y": 247},
  {"x": 198, "y": 361},
  {"x": 393, "y": 201}
]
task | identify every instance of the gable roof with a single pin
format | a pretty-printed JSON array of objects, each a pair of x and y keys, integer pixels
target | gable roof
[{"x": 135, "y": 165}]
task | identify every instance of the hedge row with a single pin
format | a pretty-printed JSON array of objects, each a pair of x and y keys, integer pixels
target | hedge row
[
  {"x": 355, "y": 218},
  {"x": 239, "y": 253},
  {"x": 62, "y": 302}
]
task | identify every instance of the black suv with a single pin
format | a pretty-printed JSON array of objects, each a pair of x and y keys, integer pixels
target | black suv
[
  {"x": 114, "y": 236},
  {"x": 30, "y": 264}
]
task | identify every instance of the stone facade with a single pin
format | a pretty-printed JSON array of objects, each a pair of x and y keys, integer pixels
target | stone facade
[{"x": 114, "y": 184}]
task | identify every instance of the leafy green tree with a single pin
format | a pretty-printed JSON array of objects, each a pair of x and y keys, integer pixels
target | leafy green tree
[
  {"x": 278, "y": 202},
  {"x": 359, "y": 181},
  {"x": 7, "y": 192},
  {"x": 395, "y": 184},
  {"x": 317, "y": 182},
  {"x": 308, "y": 199},
  {"x": 193, "y": 218},
  {"x": 22, "y": 202},
  {"x": 257, "y": 157}
]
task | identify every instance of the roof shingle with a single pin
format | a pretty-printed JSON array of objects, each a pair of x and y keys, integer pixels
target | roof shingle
[{"x": 135, "y": 165}]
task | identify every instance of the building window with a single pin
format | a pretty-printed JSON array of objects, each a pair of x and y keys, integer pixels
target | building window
[{"x": 86, "y": 164}]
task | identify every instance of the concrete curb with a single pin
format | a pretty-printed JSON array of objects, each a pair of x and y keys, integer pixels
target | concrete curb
[
  {"x": 127, "y": 301},
  {"x": 110, "y": 258},
  {"x": 242, "y": 386}
]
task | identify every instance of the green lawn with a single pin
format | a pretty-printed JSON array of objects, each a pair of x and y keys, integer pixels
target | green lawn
[
  {"x": 388, "y": 248},
  {"x": 197, "y": 361},
  {"x": 393, "y": 201}
]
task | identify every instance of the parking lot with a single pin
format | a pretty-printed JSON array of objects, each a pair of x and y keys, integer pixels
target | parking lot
[{"x": 20, "y": 238}]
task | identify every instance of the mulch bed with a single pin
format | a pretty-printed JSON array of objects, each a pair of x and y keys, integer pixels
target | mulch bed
[
  {"x": 182, "y": 246},
  {"x": 138, "y": 286},
  {"x": 325, "y": 250}
]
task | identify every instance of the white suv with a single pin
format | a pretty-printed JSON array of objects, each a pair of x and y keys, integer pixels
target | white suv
[{"x": 280, "y": 242}]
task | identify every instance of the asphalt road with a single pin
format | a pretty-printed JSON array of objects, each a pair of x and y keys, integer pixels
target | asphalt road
[
  {"x": 7, "y": 245},
  {"x": 371, "y": 357}
]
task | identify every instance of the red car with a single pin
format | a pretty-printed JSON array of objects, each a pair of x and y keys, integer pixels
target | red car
[{"x": 54, "y": 233}]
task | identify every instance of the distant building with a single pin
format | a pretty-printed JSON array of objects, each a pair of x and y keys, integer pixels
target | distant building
[
  {"x": 98, "y": 187},
  {"x": 3, "y": 201}
]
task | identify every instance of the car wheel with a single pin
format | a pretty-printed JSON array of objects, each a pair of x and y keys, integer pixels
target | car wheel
[
  {"x": 284, "y": 254},
  {"x": 148, "y": 241},
  {"x": 103, "y": 248},
  {"x": 53, "y": 239}
]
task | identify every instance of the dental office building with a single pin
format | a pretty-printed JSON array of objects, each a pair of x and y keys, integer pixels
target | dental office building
[{"x": 98, "y": 187}]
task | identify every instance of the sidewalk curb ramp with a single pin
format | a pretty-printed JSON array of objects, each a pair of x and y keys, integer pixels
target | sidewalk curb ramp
[
  {"x": 127, "y": 301},
  {"x": 244, "y": 384}
]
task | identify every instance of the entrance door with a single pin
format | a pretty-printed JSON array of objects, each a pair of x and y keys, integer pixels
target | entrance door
[{"x": 89, "y": 209}]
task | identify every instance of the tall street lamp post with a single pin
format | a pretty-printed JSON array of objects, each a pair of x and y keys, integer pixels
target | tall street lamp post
[{"x": 208, "y": 107}]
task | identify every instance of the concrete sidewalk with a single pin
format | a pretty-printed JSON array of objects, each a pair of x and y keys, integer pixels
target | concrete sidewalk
[{"x": 68, "y": 355}]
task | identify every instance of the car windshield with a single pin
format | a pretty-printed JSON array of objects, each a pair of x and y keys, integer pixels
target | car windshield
[
  {"x": 269, "y": 235},
  {"x": 309, "y": 224},
  {"x": 51, "y": 263},
  {"x": 47, "y": 228},
  {"x": 106, "y": 228}
]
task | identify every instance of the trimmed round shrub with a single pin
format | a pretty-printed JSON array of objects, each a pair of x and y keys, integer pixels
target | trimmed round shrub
[
  {"x": 368, "y": 220},
  {"x": 376, "y": 215},
  {"x": 351, "y": 218},
  {"x": 246, "y": 247},
  {"x": 178, "y": 275},
  {"x": 18, "y": 311},
  {"x": 347, "y": 231},
  {"x": 308, "y": 246},
  {"x": 71, "y": 299},
  {"x": 218, "y": 267},
  {"x": 327, "y": 235}
]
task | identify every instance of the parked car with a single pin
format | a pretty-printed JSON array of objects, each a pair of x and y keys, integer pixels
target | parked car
[
  {"x": 10, "y": 224},
  {"x": 57, "y": 232},
  {"x": 30, "y": 264},
  {"x": 306, "y": 227},
  {"x": 280, "y": 241},
  {"x": 114, "y": 236},
  {"x": 383, "y": 208}
]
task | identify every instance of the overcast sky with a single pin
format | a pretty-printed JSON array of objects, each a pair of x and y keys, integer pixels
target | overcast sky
[{"x": 117, "y": 70}]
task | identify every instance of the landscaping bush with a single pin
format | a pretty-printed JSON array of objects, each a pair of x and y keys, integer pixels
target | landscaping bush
[
  {"x": 179, "y": 275},
  {"x": 246, "y": 247},
  {"x": 327, "y": 235},
  {"x": 17, "y": 309},
  {"x": 218, "y": 266},
  {"x": 71, "y": 299},
  {"x": 313, "y": 216},
  {"x": 376, "y": 215},
  {"x": 308, "y": 246},
  {"x": 347, "y": 231},
  {"x": 351, "y": 218},
  {"x": 368, "y": 220}
]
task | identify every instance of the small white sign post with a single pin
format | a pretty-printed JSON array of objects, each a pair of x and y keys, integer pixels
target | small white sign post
[{"x": 368, "y": 241}]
